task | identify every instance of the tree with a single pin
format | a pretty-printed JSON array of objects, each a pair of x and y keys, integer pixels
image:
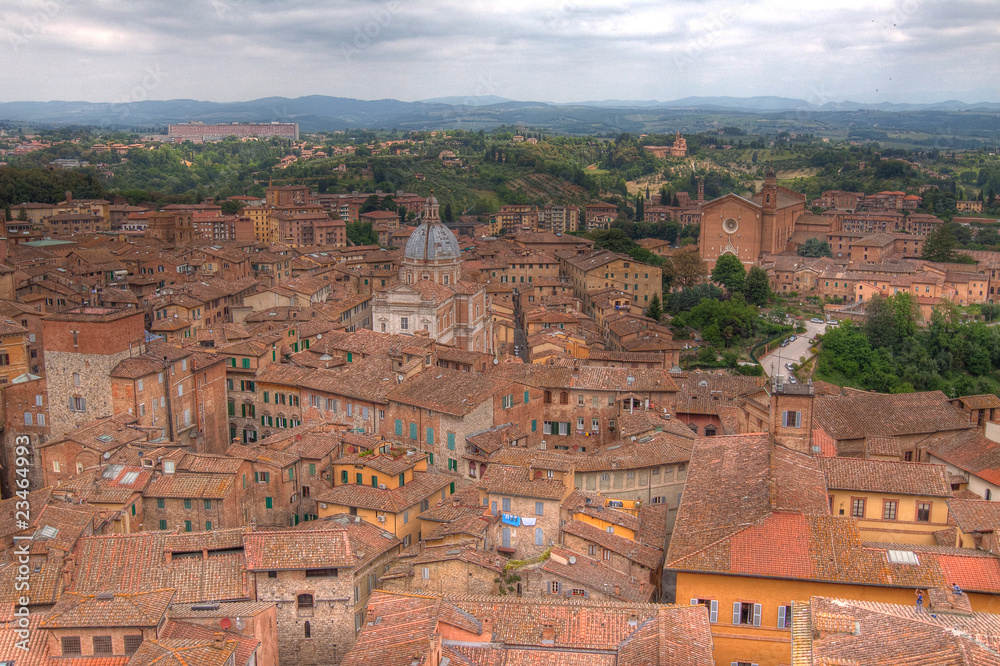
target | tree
[
  {"x": 729, "y": 272},
  {"x": 230, "y": 207},
  {"x": 814, "y": 247},
  {"x": 22, "y": 215},
  {"x": 448, "y": 215},
  {"x": 757, "y": 286},
  {"x": 640, "y": 208},
  {"x": 941, "y": 244},
  {"x": 655, "y": 310},
  {"x": 689, "y": 267}
]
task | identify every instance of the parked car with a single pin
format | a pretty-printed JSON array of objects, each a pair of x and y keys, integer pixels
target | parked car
[
  {"x": 792, "y": 380},
  {"x": 816, "y": 320},
  {"x": 789, "y": 366},
  {"x": 793, "y": 338}
]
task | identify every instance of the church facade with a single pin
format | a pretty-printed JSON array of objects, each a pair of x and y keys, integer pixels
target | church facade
[
  {"x": 749, "y": 228},
  {"x": 430, "y": 297}
]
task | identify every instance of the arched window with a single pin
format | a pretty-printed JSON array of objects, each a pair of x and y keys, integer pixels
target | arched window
[
  {"x": 308, "y": 630},
  {"x": 539, "y": 536},
  {"x": 989, "y": 494},
  {"x": 305, "y": 601}
]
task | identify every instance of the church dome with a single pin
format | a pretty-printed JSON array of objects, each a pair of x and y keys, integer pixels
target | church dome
[{"x": 432, "y": 242}]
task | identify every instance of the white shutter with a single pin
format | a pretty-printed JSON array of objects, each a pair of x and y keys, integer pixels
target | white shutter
[
  {"x": 784, "y": 419},
  {"x": 798, "y": 419},
  {"x": 781, "y": 617},
  {"x": 736, "y": 612},
  {"x": 756, "y": 615},
  {"x": 713, "y": 611},
  {"x": 694, "y": 602}
]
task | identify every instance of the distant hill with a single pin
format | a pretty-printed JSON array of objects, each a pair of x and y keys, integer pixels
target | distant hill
[{"x": 320, "y": 112}]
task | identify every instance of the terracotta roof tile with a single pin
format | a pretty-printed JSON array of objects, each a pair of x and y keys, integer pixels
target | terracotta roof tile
[
  {"x": 861, "y": 414},
  {"x": 886, "y": 476},
  {"x": 137, "y": 609}
]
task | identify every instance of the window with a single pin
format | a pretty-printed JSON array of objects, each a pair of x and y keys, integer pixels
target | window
[
  {"x": 308, "y": 629},
  {"x": 606, "y": 554},
  {"x": 132, "y": 643},
  {"x": 268, "y": 502},
  {"x": 187, "y": 504},
  {"x": 746, "y": 613},
  {"x": 404, "y": 323},
  {"x": 27, "y": 418},
  {"x": 592, "y": 550},
  {"x": 102, "y": 645},
  {"x": 305, "y": 601},
  {"x": 451, "y": 441},
  {"x": 187, "y": 525},
  {"x": 579, "y": 401},
  {"x": 413, "y": 431},
  {"x": 505, "y": 503},
  {"x": 611, "y": 529},
  {"x": 70, "y": 645},
  {"x": 791, "y": 419},
  {"x": 785, "y": 617},
  {"x": 539, "y": 508},
  {"x": 77, "y": 404},
  {"x": 539, "y": 536},
  {"x": 889, "y": 510},
  {"x": 858, "y": 507},
  {"x": 208, "y": 525},
  {"x": 406, "y": 517},
  {"x": 554, "y": 586},
  {"x": 76, "y": 379},
  {"x": 595, "y": 425},
  {"x": 923, "y": 512},
  {"x": 713, "y": 608}
]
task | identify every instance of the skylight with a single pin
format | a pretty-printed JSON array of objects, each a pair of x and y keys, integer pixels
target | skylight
[{"x": 902, "y": 557}]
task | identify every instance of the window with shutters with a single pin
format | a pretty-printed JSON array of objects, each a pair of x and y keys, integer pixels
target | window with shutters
[
  {"x": 746, "y": 613},
  {"x": 785, "y": 616},
  {"x": 539, "y": 537},
  {"x": 858, "y": 507},
  {"x": 539, "y": 508},
  {"x": 791, "y": 419},
  {"x": 923, "y": 512},
  {"x": 554, "y": 586},
  {"x": 506, "y": 504},
  {"x": 713, "y": 608}
]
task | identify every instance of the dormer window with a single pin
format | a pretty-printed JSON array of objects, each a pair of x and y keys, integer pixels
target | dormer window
[{"x": 168, "y": 466}]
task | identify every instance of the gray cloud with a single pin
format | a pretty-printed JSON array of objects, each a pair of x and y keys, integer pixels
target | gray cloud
[{"x": 556, "y": 50}]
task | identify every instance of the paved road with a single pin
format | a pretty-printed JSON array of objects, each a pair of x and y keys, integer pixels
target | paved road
[{"x": 776, "y": 360}]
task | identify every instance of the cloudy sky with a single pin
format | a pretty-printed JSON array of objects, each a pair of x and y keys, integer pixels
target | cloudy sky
[{"x": 561, "y": 51}]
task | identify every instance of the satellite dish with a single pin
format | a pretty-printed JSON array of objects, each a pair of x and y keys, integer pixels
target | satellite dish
[
  {"x": 572, "y": 559},
  {"x": 319, "y": 336},
  {"x": 495, "y": 361},
  {"x": 107, "y": 454},
  {"x": 240, "y": 623},
  {"x": 225, "y": 623}
]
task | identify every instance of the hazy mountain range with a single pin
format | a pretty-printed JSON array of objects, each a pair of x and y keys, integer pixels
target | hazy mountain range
[{"x": 319, "y": 112}]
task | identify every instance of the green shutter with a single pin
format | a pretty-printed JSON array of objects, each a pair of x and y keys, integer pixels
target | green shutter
[
  {"x": 399, "y": 427},
  {"x": 187, "y": 525},
  {"x": 430, "y": 435},
  {"x": 451, "y": 490},
  {"x": 451, "y": 441},
  {"x": 343, "y": 476},
  {"x": 163, "y": 524},
  {"x": 534, "y": 425},
  {"x": 350, "y": 357},
  {"x": 358, "y": 478},
  {"x": 268, "y": 503},
  {"x": 431, "y": 459},
  {"x": 374, "y": 481},
  {"x": 266, "y": 397},
  {"x": 402, "y": 479},
  {"x": 526, "y": 397},
  {"x": 413, "y": 431}
]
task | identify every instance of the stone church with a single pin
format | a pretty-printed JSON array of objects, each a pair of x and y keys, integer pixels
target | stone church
[
  {"x": 431, "y": 298},
  {"x": 749, "y": 228}
]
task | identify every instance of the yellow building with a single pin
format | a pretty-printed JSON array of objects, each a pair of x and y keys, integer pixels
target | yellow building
[
  {"x": 13, "y": 350},
  {"x": 754, "y": 533},
  {"x": 387, "y": 487},
  {"x": 898, "y": 502},
  {"x": 602, "y": 269}
]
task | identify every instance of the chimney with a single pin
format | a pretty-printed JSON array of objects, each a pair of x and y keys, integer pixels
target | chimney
[
  {"x": 548, "y": 634},
  {"x": 487, "y": 624},
  {"x": 69, "y": 196}
]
